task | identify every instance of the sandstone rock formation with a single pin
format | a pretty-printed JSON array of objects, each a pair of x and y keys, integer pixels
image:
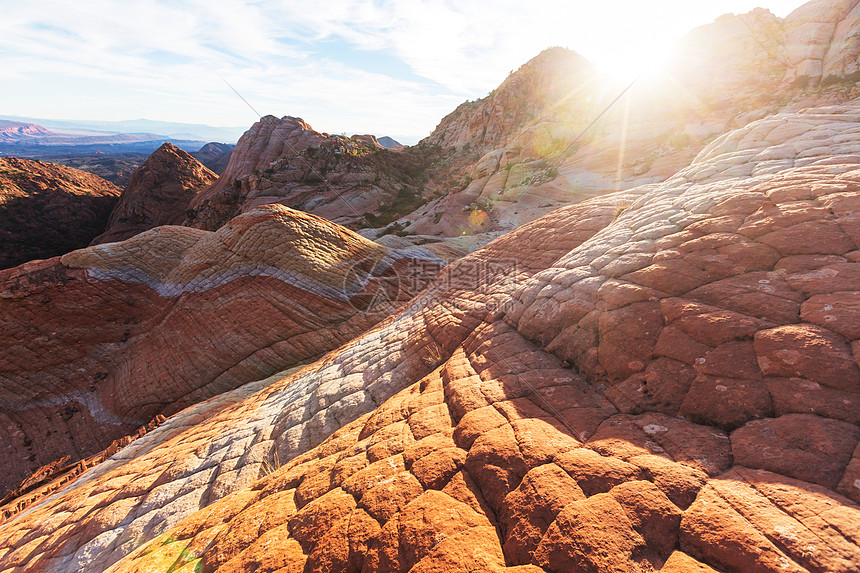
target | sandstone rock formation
[
  {"x": 528, "y": 96},
  {"x": 663, "y": 378},
  {"x": 351, "y": 181},
  {"x": 515, "y": 144},
  {"x": 157, "y": 194},
  {"x": 47, "y": 209},
  {"x": 821, "y": 41},
  {"x": 100, "y": 341},
  {"x": 659, "y": 379},
  {"x": 530, "y": 146}
]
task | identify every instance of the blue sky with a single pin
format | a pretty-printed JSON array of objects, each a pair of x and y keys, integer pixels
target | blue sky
[{"x": 345, "y": 66}]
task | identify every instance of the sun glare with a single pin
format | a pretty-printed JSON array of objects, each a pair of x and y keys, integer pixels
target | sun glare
[{"x": 629, "y": 63}]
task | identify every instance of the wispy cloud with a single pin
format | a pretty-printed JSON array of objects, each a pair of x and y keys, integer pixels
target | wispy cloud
[{"x": 408, "y": 64}]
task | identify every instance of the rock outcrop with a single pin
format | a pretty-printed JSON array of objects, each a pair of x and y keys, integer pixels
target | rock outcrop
[
  {"x": 157, "y": 194},
  {"x": 530, "y": 95},
  {"x": 821, "y": 41},
  {"x": 98, "y": 342},
  {"x": 659, "y": 379},
  {"x": 530, "y": 146},
  {"x": 48, "y": 210},
  {"x": 352, "y": 181}
]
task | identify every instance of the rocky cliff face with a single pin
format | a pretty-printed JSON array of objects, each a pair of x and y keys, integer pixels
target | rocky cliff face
[
  {"x": 821, "y": 43},
  {"x": 515, "y": 146},
  {"x": 102, "y": 340},
  {"x": 157, "y": 194},
  {"x": 660, "y": 379},
  {"x": 47, "y": 209},
  {"x": 530, "y": 95}
]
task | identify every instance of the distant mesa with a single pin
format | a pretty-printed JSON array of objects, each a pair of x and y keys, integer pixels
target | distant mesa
[
  {"x": 165, "y": 129},
  {"x": 21, "y": 134},
  {"x": 16, "y": 130},
  {"x": 70, "y": 144}
]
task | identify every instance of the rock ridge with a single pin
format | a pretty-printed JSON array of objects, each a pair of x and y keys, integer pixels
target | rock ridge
[
  {"x": 157, "y": 194},
  {"x": 81, "y": 331}
]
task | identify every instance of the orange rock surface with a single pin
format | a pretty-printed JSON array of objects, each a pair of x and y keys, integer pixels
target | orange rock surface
[{"x": 664, "y": 378}]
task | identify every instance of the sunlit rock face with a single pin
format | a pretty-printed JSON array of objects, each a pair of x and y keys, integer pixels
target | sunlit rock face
[
  {"x": 100, "y": 341},
  {"x": 157, "y": 194},
  {"x": 722, "y": 76},
  {"x": 659, "y": 379},
  {"x": 821, "y": 41},
  {"x": 48, "y": 210},
  {"x": 527, "y": 96}
]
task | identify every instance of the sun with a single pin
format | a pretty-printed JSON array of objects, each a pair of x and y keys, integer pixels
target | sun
[{"x": 628, "y": 63}]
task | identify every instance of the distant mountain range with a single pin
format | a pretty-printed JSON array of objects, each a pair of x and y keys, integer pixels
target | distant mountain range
[
  {"x": 164, "y": 129},
  {"x": 113, "y": 156},
  {"x": 15, "y": 130},
  {"x": 28, "y": 135},
  {"x": 36, "y": 141}
]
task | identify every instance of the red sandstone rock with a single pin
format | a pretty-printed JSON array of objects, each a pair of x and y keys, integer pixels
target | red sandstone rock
[
  {"x": 810, "y": 448},
  {"x": 352, "y": 181},
  {"x": 808, "y": 352},
  {"x": 483, "y": 451},
  {"x": 48, "y": 210},
  {"x": 157, "y": 194},
  {"x": 103, "y": 340}
]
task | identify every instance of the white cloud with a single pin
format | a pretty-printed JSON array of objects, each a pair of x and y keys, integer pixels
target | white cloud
[{"x": 106, "y": 59}]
